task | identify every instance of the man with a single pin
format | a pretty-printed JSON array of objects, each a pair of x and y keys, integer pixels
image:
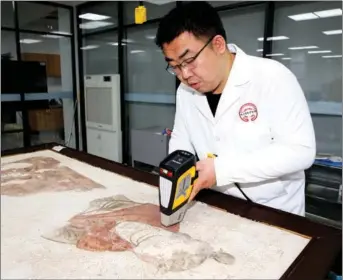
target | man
[{"x": 248, "y": 111}]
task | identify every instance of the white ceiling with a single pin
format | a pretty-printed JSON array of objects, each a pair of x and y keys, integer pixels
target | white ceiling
[
  {"x": 157, "y": 2},
  {"x": 70, "y": 3},
  {"x": 75, "y": 3}
]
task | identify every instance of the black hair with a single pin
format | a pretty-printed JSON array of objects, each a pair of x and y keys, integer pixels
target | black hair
[{"x": 198, "y": 18}]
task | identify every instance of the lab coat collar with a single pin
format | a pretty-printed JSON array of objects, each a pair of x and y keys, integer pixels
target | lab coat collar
[{"x": 240, "y": 71}]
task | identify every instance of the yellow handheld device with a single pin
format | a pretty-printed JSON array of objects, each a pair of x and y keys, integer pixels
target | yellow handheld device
[{"x": 177, "y": 177}]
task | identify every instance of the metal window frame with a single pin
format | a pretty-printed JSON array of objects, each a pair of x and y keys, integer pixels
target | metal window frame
[
  {"x": 121, "y": 68},
  {"x": 121, "y": 29},
  {"x": 17, "y": 30},
  {"x": 81, "y": 79}
]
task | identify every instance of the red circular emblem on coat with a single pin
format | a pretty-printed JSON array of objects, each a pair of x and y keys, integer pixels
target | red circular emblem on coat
[{"x": 248, "y": 112}]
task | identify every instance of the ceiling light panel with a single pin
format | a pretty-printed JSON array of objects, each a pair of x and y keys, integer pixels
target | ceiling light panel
[
  {"x": 286, "y": 58},
  {"x": 116, "y": 44},
  {"x": 29, "y": 41},
  {"x": 275, "y": 38},
  {"x": 90, "y": 47},
  {"x": 150, "y": 37},
  {"x": 329, "y": 13},
  {"x": 128, "y": 40},
  {"x": 317, "y": 15},
  {"x": 91, "y": 16},
  {"x": 275, "y": 54},
  {"x": 333, "y": 32},
  {"x": 303, "y": 48},
  {"x": 332, "y": 56},
  {"x": 52, "y": 36},
  {"x": 61, "y": 32},
  {"x": 306, "y": 16},
  {"x": 323, "y": 51},
  {"x": 160, "y": 2},
  {"x": 137, "y": 51},
  {"x": 94, "y": 24}
]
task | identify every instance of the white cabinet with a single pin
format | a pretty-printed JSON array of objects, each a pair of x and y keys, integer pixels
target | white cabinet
[
  {"x": 104, "y": 144},
  {"x": 103, "y": 117}
]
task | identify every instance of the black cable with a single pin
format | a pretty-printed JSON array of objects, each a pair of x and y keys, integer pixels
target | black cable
[
  {"x": 246, "y": 197},
  {"x": 236, "y": 184}
]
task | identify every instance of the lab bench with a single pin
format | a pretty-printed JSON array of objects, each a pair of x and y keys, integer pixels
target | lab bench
[{"x": 324, "y": 195}]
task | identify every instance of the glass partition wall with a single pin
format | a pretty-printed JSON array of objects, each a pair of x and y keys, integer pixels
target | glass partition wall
[
  {"x": 312, "y": 50},
  {"x": 116, "y": 45},
  {"x": 306, "y": 37},
  {"x": 37, "y": 39}
]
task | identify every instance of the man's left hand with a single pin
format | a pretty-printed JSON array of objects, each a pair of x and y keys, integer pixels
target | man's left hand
[{"x": 206, "y": 176}]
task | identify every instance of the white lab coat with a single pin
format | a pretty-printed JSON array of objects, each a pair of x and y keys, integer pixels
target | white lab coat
[{"x": 268, "y": 153}]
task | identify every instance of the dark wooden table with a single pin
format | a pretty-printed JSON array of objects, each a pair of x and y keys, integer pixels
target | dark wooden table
[{"x": 313, "y": 263}]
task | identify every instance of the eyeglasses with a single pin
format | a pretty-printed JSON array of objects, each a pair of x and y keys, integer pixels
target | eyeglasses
[{"x": 188, "y": 62}]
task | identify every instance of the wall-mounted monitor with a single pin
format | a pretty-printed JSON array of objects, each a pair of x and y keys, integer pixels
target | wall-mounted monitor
[{"x": 23, "y": 77}]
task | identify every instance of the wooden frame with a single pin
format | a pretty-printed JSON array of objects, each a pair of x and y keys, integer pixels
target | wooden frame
[{"x": 314, "y": 262}]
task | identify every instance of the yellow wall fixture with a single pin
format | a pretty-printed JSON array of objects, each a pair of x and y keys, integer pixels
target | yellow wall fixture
[{"x": 140, "y": 14}]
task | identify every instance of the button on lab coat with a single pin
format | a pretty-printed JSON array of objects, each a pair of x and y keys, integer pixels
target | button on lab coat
[{"x": 262, "y": 132}]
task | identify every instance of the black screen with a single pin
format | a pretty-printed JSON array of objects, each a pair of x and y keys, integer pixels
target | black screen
[{"x": 23, "y": 76}]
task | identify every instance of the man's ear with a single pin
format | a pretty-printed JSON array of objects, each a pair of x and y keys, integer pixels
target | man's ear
[{"x": 219, "y": 44}]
